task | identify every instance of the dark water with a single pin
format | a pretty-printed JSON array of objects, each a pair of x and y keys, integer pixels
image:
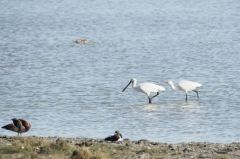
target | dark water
[{"x": 73, "y": 90}]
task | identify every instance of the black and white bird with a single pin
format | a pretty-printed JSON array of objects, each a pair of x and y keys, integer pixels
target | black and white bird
[{"x": 117, "y": 137}]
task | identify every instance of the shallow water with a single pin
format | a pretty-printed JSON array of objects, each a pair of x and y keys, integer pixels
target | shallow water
[{"x": 73, "y": 90}]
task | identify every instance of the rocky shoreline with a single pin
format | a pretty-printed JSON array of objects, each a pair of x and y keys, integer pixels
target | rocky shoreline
[{"x": 83, "y": 148}]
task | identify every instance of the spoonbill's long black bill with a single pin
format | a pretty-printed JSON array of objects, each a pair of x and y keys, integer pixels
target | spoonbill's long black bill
[{"x": 126, "y": 86}]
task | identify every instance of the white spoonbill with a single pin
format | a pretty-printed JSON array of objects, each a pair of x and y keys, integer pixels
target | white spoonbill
[
  {"x": 146, "y": 88},
  {"x": 185, "y": 86}
]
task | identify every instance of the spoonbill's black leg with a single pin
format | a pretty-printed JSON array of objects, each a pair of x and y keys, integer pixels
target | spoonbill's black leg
[
  {"x": 155, "y": 95},
  {"x": 196, "y": 93},
  {"x": 149, "y": 100},
  {"x": 186, "y": 97}
]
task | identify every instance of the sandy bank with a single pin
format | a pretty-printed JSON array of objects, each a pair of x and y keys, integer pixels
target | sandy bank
[{"x": 82, "y": 148}]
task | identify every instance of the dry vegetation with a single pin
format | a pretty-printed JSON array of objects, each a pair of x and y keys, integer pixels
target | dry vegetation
[{"x": 62, "y": 148}]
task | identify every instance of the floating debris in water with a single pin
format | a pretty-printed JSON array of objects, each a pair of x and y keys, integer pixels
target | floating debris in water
[{"x": 82, "y": 41}]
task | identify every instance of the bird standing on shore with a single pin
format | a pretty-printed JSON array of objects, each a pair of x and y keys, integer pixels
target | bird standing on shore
[
  {"x": 117, "y": 137},
  {"x": 185, "y": 86},
  {"x": 146, "y": 88},
  {"x": 19, "y": 126}
]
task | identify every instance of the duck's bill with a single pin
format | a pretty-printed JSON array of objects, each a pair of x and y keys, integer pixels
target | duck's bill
[{"x": 126, "y": 86}]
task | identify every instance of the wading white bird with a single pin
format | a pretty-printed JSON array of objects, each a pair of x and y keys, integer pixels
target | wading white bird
[
  {"x": 146, "y": 88},
  {"x": 185, "y": 86}
]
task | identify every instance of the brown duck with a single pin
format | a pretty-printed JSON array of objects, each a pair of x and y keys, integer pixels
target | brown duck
[{"x": 19, "y": 126}]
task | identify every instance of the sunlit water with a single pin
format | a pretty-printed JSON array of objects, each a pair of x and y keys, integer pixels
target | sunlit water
[{"x": 71, "y": 90}]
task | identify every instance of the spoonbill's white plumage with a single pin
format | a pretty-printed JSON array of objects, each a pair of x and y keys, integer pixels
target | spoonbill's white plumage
[
  {"x": 147, "y": 88},
  {"x": 185, "y": 86}
]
